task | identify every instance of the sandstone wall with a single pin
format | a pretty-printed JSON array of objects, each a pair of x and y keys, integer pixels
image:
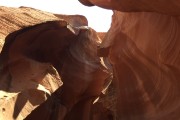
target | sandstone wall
[{"x": 29, "y": 82}]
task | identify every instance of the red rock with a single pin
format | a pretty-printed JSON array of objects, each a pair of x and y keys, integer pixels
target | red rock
[
  {"x": 25, "y": 55},
  {"x": 144, "y": 51},
  {"x": 161, "y": 6},
  {"x": 146, "y": 66},
  {"x": 74, "y": 55}
]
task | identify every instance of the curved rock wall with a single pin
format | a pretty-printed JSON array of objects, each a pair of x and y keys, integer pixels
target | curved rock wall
[
  {"x": 145, "y": 57},
  {"x": 16, "y": 18},
  {"x": 144, "y": 51},
  {"x": 26, "y": 83},
  {"x": 160, "y": 6}
]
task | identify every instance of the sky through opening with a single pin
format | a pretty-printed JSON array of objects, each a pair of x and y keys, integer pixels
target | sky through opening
[{"x": 98, "y": 18}]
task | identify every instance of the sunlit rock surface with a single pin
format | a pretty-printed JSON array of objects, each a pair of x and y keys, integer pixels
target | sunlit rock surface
[
  {"x": 25, "y": 83},
  {"x": 101, "y": 35},
  {"x": 16, "y": 18},
  {"x": 73, "y": 52},
  {"x": 144, "y": 52},
  {"x": 145, "y": 57},
  {"x": 159, "y": 6},
  {"x": 39, "y": 50},
  {"x": 75, "y": 20}
]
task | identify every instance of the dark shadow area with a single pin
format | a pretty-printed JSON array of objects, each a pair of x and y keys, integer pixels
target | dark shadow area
[{"x": 6, "y": 75}]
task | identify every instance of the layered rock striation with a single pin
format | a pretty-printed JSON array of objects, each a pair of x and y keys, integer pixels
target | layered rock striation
[
  {"x": 165, "y": 7},
  {"x": 25, "y": 82},
  {"x": 144, "y": 51},
  {"x": 49, "y": 68}
]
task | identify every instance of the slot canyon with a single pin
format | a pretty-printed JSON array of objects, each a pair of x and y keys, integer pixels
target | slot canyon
[{"x": 56, "y": 67}]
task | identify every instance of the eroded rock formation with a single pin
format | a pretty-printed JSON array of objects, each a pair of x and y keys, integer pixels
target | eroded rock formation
[
  {"x": 16, "y": 18},
  {"x": 14, "y": 104},
  {"x": 30, "y": 56},
  {"x": 166, "y": 7},
  {"x": 73, "y": 52},
  {"x": 101, "y": 35},
  {"x": 145, "y": 57},
  {"x": 144, "y": 52}
]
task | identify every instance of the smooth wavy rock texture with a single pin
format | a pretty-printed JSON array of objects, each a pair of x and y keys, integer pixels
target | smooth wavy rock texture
[
  {"x": 25, "y": 83},
  {"x": 170, "y": 7},
  {"x": 145, "y": 54},
  {"x": 73, "y": 52},
  {"x": 16, "y": 18},
  {"x": 49, "y": 66},
  {"x": 145, "y": 57}
]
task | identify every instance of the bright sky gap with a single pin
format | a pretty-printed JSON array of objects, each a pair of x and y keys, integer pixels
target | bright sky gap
[{"x": 98, "y": 18}]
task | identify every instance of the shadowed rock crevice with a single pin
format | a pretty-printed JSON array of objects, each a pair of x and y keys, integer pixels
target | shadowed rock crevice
[
  {"x": 39, "y": 56},
  {"x": 143, "y": 44},
  {"x": 142, "y": 48},
  {"x": 22, "y": 78}
]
